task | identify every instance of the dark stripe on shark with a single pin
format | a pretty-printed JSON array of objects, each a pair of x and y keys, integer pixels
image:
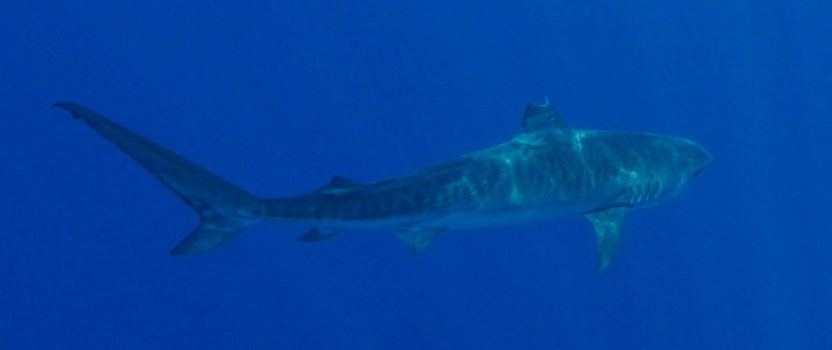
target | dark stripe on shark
[
  {"x": 443, "y": 188},
  {"x": 348, "y": 207}
]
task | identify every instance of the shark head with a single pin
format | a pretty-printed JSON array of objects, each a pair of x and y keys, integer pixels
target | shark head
[
  {"x": 688, "y": 158},
  {"x": 645, "y": 168},
  {"x": 677, "y": 161},
  {"x": 635, "y": 170}
]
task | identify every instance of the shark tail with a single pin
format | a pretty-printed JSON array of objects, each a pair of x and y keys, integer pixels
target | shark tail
[{"x": 224, "y": 209}]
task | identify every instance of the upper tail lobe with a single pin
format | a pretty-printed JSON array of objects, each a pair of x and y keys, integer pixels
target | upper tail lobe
[{"x": 225, "y": 210}]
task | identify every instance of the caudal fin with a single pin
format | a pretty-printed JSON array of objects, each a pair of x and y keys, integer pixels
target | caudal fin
[{"x": 224, "y": 209}]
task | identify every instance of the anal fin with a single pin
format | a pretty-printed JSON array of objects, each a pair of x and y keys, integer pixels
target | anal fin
[
  {"x": 418, "y": 238},
  {"x": 318, "y": 234},
  {"x": 608, "y": 224}
]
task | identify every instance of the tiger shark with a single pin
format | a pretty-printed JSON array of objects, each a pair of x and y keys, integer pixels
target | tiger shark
[{"x": 548, "y": 170}]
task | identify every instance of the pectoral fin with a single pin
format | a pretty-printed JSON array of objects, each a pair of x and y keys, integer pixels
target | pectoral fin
[{"x": 608, "y": 224}]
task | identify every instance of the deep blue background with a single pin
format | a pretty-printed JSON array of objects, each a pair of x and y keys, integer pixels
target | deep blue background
[{"x": 279, "y": 96}]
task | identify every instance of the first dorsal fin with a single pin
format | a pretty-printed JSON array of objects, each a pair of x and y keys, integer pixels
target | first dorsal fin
[
  {"x": 542, "y": 117},
  {"x": 338, "y": 185}
]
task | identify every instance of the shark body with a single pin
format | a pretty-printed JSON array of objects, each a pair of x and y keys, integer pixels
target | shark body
[{"x": 547, "y": 171}]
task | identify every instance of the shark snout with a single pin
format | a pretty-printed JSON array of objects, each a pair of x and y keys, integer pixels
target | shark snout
[{"x": 703, "y": 160}]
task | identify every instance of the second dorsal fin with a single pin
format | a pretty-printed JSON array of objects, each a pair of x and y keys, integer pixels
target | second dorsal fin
[
  {"x": 338, "y": 185},
  {"x": 542, "y": 117}
]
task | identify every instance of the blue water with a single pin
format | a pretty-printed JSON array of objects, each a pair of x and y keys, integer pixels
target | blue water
[{"x": 278, "y": 96}]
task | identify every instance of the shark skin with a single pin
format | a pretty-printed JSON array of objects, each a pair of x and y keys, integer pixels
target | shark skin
[{"x": 548, "y": 170}]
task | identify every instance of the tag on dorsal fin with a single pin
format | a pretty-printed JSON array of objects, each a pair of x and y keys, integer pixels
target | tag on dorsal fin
[
  {"x": 542, "y": 117},
  {"x": 337, "y": 185},
  {"x": 317, "y": 235},
  {"x": 608, "y": 224},
  {"x": 418, "y": 238}
]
